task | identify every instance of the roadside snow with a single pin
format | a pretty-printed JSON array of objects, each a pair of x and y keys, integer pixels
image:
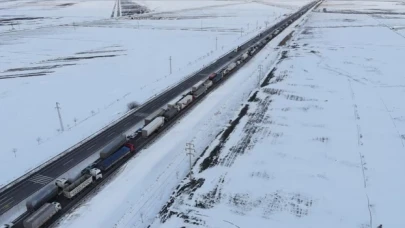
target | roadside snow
[
  {"x": 321, "y": 144},
  {"x": 94, "y": 68},
  {"x": 148, "y": 179}
]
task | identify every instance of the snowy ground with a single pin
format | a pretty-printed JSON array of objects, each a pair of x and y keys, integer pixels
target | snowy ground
[
  {"x": 147, "y": 181},
  {"x": 94, "y": 65},
  {"x": 320, "y": 145}
]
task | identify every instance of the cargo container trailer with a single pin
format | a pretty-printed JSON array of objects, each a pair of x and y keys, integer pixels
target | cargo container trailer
[
  {"x": 197, "y": 86},
  {"x": 170, "y": 112},
  {"x": 199, "y": 92},
  {"x": 155, "y": 114},
  {"x": 42, "y": 215},
  {"x": 153, "y": 126},
  {"x": 41, "y": 197},
  {"x": 112, "y": 146},
  {"x": 116, "y": 156},
  {"x": 185, "y": 101}
]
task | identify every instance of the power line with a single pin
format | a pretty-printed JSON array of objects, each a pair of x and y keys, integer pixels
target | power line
[
  {"x": 190, "y": 152},
  {"x": 58, "y": 108}
]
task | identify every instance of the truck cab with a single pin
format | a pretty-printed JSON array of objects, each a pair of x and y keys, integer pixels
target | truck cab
[
  {"x": 8, "y": 225},
  {"x": 62, "y": 182},
  {"x": 96, "y": 173},
  {"x": 130, "y": 146},
  {"x": 57, "y": 205}
]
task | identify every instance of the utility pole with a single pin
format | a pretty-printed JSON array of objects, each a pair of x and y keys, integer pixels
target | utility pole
[
  {"x": 170, "y": 63},
  {"x": 241, "y": 31},
  {"x": 58, "y": 108},
  {"x": 201, "y": 25},
  {"x": 190, "y": 152},
  {"x": 260, "y": 75},
  {"x": 216, "y": 43},
  {"x": 257, "y": 24}
]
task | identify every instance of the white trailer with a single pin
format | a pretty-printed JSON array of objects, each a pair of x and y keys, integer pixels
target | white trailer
[
  {"x": 155, "y": 114},
  {"x": 197, "y": 86},
  {"x": 231, "y": 66},
  {"x": 153, "y": 126},
  {"x": 42, "y": 215},
  {"x": 245, "y": 56},
  {"x": 185, "y": 101},
  {"x": 208, "y": 84},
  {"x": 77, "y": 186}
]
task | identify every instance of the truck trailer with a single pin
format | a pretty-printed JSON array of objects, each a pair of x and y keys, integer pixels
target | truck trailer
[
  {"x": 41, "y": 197},
  {"x": 116, "y": 156},
  {"x": 112, "y": 146},
  {"x": 42, "y": 215},
  {"x": 77, "y": 186},
  {"x": 208, "y": 84},
  {"x": 197, "y": 86},
  {"x": 155, "y": 114},
  {"x": 200, "y": 91},
  {"x": 185, "y": 101},
  {"x": 153, "y": 126},
  {"x": 170, "y": 113}
]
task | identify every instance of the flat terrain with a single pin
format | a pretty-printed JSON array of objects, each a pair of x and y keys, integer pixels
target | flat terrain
[
  {"x": 74, "y": 53},
  {"x": 321, "y": 143}
]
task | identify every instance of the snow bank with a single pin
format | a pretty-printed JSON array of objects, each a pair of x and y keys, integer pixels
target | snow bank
[
  {"x": 321, "y": 144},
  {"x": 93, "y": 69}
]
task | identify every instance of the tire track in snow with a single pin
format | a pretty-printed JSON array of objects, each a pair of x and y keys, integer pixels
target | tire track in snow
[{"x": 360, "y": 143}]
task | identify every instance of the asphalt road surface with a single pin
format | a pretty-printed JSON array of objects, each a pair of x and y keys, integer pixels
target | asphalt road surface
[{"x": 25, "y": 188}]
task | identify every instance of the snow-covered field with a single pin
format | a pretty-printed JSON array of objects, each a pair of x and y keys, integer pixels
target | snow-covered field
[
  {"x": 146, "y": 182},
  {"x": 94, "y": 65},
  {"x": 321, "y": 143}
]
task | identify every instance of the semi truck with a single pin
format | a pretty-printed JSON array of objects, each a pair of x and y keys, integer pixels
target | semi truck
[
  {"x": 41, "y": 197},
  {"x": 153, "y": 126},
  {"x": 208, "y": 84},
  {"x": 42, "y": 215},
  {"x": 200, "y": 91},
  {"x": 170, "y": 112},
  {"x": 155, "y": 114},
  {"x": 185, "y": 101},
  {"x": 245, "y": 56},
  {"x": 197, "y": 86},
  {"x": 112, "y": 146},
  {"x": 116, "y": 156},
  {"x": 229, "y": 68},
  {"x": 78, "y": 185},
  {"x": 214, "y": 77}
]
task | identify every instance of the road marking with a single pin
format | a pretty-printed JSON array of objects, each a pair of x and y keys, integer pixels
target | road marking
[
  {"x": 5, "y": 198},
  {"x": 91, "y": 147},
  {"x": 6, "y": 204},
  {"x": 127, "y": 123},
  {"x": 110, "y": 134},
  {"x": 68, "y": 161},
  {"x": 41, "y": 179}
]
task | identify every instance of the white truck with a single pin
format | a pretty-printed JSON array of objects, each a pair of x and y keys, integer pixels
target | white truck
[
  {"x": 197, "y": 86},
  {"x": 42, "y": 215},
  {"x": 62, "y": 183},
  {"x": 208, "y": 84},
  {"x": 81, "y": 183},
  {"x": 229, "y": 68},
  {"x": 245, "y": 56},
  {"x": 153, "y": 126},
  {"x": 185, "y": 101},
  {"x": 152, "y": 116}
]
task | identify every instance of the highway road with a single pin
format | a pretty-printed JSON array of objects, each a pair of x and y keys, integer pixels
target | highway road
[{"x": 22, "y": 190}]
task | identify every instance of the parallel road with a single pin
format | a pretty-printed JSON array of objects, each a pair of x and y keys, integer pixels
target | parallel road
[{"x": 25, "y": 188}]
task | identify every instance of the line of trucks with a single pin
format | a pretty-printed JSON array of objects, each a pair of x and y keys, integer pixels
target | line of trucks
[{"x": 42, "y": 205}]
